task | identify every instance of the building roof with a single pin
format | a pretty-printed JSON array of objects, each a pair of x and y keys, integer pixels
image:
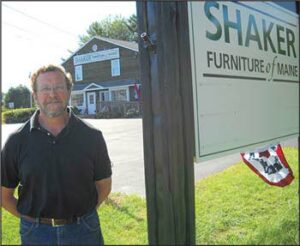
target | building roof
[
  {"x": 125, "y": 44},
  {"x": 104, "y": 85}
]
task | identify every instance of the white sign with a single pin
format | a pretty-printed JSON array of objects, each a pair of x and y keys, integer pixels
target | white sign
[
  {"x": 11, "y": 105},
  {"x": 96, "y": 56},
  {"x": 245, "y": 64}
]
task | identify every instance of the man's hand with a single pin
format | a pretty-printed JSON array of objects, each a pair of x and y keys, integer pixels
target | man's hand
[
  {"x": 9, "y": 202},
  {"x": 103, "y": 188}
]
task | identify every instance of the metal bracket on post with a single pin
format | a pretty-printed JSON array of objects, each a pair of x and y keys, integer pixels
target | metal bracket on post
[{"x": 148, "y": 42}]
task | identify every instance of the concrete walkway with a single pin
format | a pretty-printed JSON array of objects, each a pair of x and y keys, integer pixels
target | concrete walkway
[{"x": 125, "y": 146}]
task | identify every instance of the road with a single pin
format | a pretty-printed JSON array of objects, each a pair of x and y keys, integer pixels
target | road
[{"x": 125, "y": 146}]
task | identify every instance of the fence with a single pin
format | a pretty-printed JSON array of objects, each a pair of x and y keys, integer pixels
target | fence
[{"x": 119, "y": 109}]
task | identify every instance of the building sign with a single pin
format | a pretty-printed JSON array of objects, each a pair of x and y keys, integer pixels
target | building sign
[
  {"x": 11, "y": 105},
  {"x": 96, "y": 56},
  {"x": 245, "y": 64}
]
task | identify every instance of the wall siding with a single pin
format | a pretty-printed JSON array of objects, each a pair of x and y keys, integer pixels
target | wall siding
[{"x": 101, "y": 71}]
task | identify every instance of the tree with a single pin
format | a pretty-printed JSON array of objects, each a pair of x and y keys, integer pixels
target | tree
[
  {"x": 19, "y": 95},
  {"x": 116, "y": 27},
  {"x": 133, "y": 27}
]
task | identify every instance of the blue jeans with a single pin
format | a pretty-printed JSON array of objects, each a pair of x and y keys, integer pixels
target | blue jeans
[{"x": 85, "y": 231}]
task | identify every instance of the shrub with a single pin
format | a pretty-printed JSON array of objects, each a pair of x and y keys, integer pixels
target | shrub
[
  {"x": 4, "y": 109},
  {"x": 17, "y": 115}
]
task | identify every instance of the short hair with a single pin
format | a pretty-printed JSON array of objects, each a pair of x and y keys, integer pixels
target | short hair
[{"x": 51, "y": 68}]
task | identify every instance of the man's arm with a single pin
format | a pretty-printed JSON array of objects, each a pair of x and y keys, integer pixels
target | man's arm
[
  {"x": 103, "y": 188},
  {"x": 9, "y": 202}
]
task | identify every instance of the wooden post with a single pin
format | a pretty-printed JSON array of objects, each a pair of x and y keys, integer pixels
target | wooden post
[{"x": 168, "y": 124}]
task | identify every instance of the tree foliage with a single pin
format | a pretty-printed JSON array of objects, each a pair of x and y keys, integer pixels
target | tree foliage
[
  {"x": 19, "y": 95},
  {"x": 116, "y": 27}
]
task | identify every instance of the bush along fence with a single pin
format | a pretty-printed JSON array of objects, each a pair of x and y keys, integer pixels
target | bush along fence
[
  {"x": 17, "y": 115},
  {"x": 118, "y": 110}
]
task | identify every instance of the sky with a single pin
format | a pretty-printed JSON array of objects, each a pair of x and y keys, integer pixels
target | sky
[{"x": 38, "y": 33}]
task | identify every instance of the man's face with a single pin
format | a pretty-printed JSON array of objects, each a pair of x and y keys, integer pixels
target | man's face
[{"x": 51, "y": 94}]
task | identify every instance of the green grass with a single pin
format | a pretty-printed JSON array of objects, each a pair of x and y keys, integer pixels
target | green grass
[
  {"x": 232, "y": 207},
  {"x": 123, "y": 220},
  {"x": 237, "y": 207}
]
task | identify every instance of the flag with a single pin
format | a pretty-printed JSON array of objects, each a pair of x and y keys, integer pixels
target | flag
[
  {"x": 137, "y": 94},
  {"x": 269, "y": 164}
]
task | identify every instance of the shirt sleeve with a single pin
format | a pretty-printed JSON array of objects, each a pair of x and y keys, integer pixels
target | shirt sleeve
[
  {"x": 102, "y": 162},
  {"x": 9, "y": 163}
]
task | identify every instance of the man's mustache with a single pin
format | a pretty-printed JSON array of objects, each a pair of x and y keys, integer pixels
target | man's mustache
[{"x": 54, "y": 101}]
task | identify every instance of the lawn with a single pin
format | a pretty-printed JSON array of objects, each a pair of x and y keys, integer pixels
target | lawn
[
  {"x": 237, "y": 207},
  {"x": 232, "y": 207}
]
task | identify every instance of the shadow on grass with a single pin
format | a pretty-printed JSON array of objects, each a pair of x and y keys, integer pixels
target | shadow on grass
[{"x": 116, "y": 205}]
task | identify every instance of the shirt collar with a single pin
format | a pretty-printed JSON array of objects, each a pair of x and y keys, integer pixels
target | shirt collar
[{"x": 34, "y": 122}]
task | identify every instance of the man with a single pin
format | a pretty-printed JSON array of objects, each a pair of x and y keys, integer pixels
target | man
[{"x": 60, "y": 165}]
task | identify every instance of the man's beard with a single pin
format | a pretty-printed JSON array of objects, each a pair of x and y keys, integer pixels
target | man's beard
[{"x": 54, "y": 113}]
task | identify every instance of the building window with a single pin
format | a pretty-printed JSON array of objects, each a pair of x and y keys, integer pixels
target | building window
[
  {"x": 78, "y": 73},
  {"x": 91, "y": 99},
  {"x": 115, "y": 67},
  {"x": 77, "y": 100},
  {"x": 104, "y": 96},
  {"x": 119, "y": 95}
]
